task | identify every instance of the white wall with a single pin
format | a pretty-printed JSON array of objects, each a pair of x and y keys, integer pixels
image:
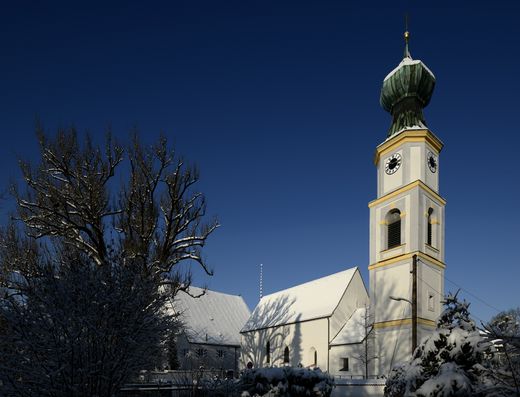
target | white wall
[
  {"x": 301, "y": 338},
  {"x": 352, "y": 352},
  {"x": 211, "y": 359},
  {"x": 355, "y": 296}
]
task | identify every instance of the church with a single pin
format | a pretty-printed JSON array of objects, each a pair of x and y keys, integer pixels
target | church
[{"x": 336, "y": 324}]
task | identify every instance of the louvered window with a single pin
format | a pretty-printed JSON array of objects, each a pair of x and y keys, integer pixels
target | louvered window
[
  {"x": 394, "y": 228},
  {"x": 430, "y": 226}
]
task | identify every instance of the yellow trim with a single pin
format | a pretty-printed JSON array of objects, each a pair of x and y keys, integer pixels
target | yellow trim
[
  {"x": 408, "y": 136},
  {"x": 403, "y": 257},
  {"x": 393, "y": 323},
  {"x": 405, "y": 188},
  {"x": 393, "y": 248},
  {"x": 432, "y": 247},
  {"x": 385, "y": 222},
  {"x": 404, "y": 321},
  {"x": 425, "y": 321}
]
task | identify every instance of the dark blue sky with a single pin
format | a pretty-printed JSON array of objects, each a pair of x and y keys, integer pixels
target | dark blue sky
[{"x": 278, "y": 103}]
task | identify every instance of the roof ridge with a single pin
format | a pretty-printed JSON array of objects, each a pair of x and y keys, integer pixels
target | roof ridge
[{"x": 308, "y": 282}]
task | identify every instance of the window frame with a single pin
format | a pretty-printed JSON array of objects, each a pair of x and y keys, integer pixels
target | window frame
[
  {"x": 344, "y": 364},
  {"x": 429, "y": 228},
  {"x": 393, "y": 229}
]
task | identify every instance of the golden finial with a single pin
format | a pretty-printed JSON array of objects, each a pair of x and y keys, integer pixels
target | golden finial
[{"x": 406, "y": 37}]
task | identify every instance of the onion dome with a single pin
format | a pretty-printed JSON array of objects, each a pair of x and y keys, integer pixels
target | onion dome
[{"x": 406, "y": 91}]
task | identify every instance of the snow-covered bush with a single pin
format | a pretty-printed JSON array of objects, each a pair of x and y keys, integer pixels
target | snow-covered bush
[
  {"x": 447, "y": 363},
  {"x": 220, "y": 387},
  {"x": 286, "y": 381},
  {"x": 503, "y": 331},
  {"x": 79, "y": 330}
]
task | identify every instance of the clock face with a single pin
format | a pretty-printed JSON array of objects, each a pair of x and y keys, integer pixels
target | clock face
[
  {"x": 432, "y": 162},
  {"x": 393, "y": 163}
]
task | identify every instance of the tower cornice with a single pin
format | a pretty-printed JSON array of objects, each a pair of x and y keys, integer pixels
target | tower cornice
[
  {"x": 417, "y": 183},
  {"x": 408, "y": 256},
  {"x": 419, "y": 135}
]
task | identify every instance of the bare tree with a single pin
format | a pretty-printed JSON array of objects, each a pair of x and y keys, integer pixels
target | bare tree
[
  {"x": 155, "y": 217},
  {"x": 87, "y": 267},
  {"x": 367, "y": 356}
]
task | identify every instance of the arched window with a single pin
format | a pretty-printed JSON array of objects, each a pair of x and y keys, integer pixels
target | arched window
[
  {"x": 313, "y": 355},
  {"x": 430, "y": 227},
  {"x": 393, "y": 221},
  {"x": 286, "y": 355},
  {"x": 268, "y": 352}
]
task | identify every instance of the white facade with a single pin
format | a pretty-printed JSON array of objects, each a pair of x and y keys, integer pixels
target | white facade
[
  {"x": 407, "y": 194},
  {"x": 297, "y": 326},
  {"x": 303, "y": 326}
]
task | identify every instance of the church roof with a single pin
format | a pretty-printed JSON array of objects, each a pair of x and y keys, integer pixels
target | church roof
[
  {"x": 354, "y": 329},
  {"x": 314, "y": 299},
  {"x": 213, "y": 318}
]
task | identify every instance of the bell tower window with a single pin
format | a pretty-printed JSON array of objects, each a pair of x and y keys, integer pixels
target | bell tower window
[
  {"x": 393, "y": 221},
  {"x": 430, "y": 227}
]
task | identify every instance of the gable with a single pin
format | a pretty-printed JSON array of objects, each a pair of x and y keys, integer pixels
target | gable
[
  {"x": 315, "y": 299},
  {"x": 213, "y": 318}
]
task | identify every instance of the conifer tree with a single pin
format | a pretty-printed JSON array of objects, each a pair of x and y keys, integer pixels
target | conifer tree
[
  {"x": 450, "y": 362},
  {"x": 503, "y": 331}
]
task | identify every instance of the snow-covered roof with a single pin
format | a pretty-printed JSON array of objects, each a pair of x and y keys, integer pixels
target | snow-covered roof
[
  {"x": 354, "y": 329},
  {"x": 412, "y": 127},
  {"x": 215, "y": 317},
  {"x": 408, "y": 61},
  {"x": 314, "y": 299}
]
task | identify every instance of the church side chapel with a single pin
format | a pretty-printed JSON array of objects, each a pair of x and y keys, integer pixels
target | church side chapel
[{"x": 333, "y": 323}]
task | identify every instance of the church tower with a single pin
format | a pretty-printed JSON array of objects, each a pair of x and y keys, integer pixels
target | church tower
[{"x": 406, "y": 219}]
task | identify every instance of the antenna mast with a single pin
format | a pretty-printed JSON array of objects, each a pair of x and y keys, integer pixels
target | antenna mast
[{"x": 261, "y": 279}]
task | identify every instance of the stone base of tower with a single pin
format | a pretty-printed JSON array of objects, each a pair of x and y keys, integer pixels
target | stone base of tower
[{"x": 393, "y": 343}]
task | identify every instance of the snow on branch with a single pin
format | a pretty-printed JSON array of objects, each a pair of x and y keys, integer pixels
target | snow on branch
[{"x": 71, "y": 196}]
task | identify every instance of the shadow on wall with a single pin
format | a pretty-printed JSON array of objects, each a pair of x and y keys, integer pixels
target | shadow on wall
[
  {"x": 266, "y": 335},
  {"x": 392, "y": 345},
  {"x": 295, "y": 356}
]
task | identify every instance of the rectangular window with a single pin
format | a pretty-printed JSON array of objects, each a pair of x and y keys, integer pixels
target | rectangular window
[
  {"x": 429, "y": 232},
  {"x": 344, "y": 364},
  {"x": 221, "y": 353},
  {"x": 202, "y": 352}
]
